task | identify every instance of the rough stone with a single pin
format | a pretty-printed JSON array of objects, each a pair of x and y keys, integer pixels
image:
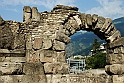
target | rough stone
[
  {"x": 116, "y": 43},
  {"x": 47, "y": 43},
  {"x": 13, "y": 59},
  {"x": 115, "y": 69},
  {"x": 58, "y": 45},
  {"x": 47, "y": 55},
  {"x": 108, "y": 21},
  {"x": 115, "y": 36},
  {"x": 37, "y": 43},
  {"x": 33, "y": 69},
  {"x": 1, "y": 20},
  {"x": 9, "y": 68},
  {"x": 99, "y": 25},
  {"x": 65, "y": 7},
  {"x": 56, "y": 68},
  {"x": 62, "y": 37},
  {"x": 115, "y": 59},
  {"x": 27, "y": 13},
  {"x": 23, "y": 79},
  {"x": 89, "y": 19},
  {"x": 35, "y": 14},
  {"x": 94, "y": 18},
  {"x": 117, "y": 79}
]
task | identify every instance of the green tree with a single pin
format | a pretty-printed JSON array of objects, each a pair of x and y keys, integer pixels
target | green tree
[
  {"x": 95, "y": 46},
  {"x": 96, "y": 61}
]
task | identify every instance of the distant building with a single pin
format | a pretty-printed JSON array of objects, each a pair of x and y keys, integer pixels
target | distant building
[
  {"x": 76, "y": 66},
  {"x": 101, "y": 49}
]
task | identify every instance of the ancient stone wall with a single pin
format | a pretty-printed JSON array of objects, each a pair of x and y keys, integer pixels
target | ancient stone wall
[{"x": 33, "y": 51}]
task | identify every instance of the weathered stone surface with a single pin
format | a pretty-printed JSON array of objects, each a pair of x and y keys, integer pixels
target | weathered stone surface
[
  {"x": 77, "y": 20},
  {"x": 6, "y": 37},
  {"x": 117, "y": 79},
  {"x": 109, "y": 30},
  {"x": 27, "y": 13},
  {"x": 56, "y": 68},
  {"x": 47, "y": 55},
  {"x": 12, "y": 53},
  {"x": 114, "y": 37},
  {"x": 101, "y": 21},
  {"x": 33, "y": 69},
  {"x": 116, "y": 43},
  {"x": 35, "y": 14},
  {"x": 94, "y": 18},
  {"x": 1, "y": 20},
  {"x": 28, "y": 41},
  {"x": 115, "y": 58},
  {"x": 58, "y": 45},
  {"x": 9, "y": 68},
  {"x": 83, "y": 20},
  {"x": 115, "y": 69},
  {"x": 62, "y": 37},
  {"x": 23, "y": 79},
  {"x": 108, "y": 21},
  {"x": 37, "y": 43},
  {"x": 89, "y": 19},
  {"x": 65, "y": 7},
  {"x": 13, "y": 59},
  {"x": 47, "y": 43}
]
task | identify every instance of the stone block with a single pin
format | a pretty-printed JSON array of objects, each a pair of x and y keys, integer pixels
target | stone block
[
  {"x": 37, "y": 43},
  {"x": 35, "y": 14},
  {"x": 108, "y": 21},
  {"x": 58, "y": 78},
  {"x": 100, "y": 23},
  {"x": 115, "y": 58},
  {"x": 28, "y": 41},
  {"x": 77, "y": 20},
  {"x": 47, "y": 55},
  {"x": 61, "y": 57},
  {"x": 116, "y": 43},
  {"x": 117, "y": 79},
  {"x": 47, "y": 43},
  {"x": 94, "y": 18},
  {"x": 58, "y": 45},
  {"x": 12, "y": 53},
  {"x": 23, "y": 79},
  {"x": 1, "y": 20},
  {"x": 7, "y": 68},
  {"x": 111, "y": 29},
  {"x": 27, "y": 9},
  {"x": 115, "y": 69},
  {"x": 62, "y": 37},
  {"x": 31, "y": 68},
  {"x": 83, "y": 19},
  {"x": 26, "y": 13},
  {"x": 114, "y": 37},
  {"x": 56, "y": 68},
  {"x": 88, "y": 19},
  {"x": 13, "y": 59}
]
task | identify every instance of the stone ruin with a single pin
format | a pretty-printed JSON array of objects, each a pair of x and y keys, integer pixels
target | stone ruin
[{"x": 33, "y": 51}]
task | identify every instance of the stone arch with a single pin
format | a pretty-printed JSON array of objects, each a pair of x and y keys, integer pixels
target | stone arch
[
  {"x": 39, "y": 43},
  {"x": 58, "y": 25}
]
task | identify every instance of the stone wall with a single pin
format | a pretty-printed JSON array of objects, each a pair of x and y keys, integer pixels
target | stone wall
[{"x": 34, "y": 50}]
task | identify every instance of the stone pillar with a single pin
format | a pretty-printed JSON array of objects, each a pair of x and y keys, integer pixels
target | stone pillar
[
  {"x": 35, "y": 14},
  {"x": 27, "y": 13}
]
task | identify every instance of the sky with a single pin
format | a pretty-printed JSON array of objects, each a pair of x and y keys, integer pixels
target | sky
[{"x": 13, "y": 9}]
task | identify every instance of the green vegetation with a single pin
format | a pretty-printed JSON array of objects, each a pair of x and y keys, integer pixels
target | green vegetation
[{"x": 96, "y": 61}]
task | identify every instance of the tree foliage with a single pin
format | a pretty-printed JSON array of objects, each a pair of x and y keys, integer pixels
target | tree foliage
[
  {"x": 96, "y": 61},
  {"x": 95, "y": 46}
]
